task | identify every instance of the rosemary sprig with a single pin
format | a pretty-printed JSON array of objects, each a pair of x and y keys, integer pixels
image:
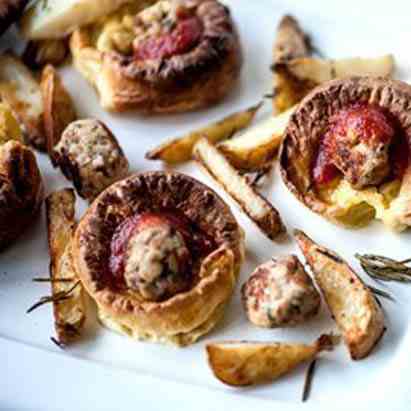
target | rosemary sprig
[
  {"x": 384, "y": 268},
  {"x": 60, "y": 296},
  {"x": 256, "y": 177},
  {"x": 308, "y": 380},
  {"x": 380, "y": 293},
  {"x": 57, "y": 342},
  {"x": 52, "y": 280}
]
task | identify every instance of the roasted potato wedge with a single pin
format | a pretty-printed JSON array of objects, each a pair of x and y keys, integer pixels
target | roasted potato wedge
[
  {"x": 180, "y": 149},
  {"x": 258, "y": 145},
  {"x": 59, "y": 109},
  {"x": 21, "y": 92},
  {"x": 9, "y": 126},
  {"x": 247, "y": 363},
  {"x": 69, "y": 313},
  {"x": 291, "y": 42},
  {"x": 295, "y": 78},
  {"x": 56, "y": 19},
  {"x": 352, "y": 304},
  {"x": 260, "y": 211}
]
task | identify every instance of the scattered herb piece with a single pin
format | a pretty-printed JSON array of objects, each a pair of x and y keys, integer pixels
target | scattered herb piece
[
  {"x": 308, "y": 380},
  {"x": 60, "y": 296},
  {"x": 58, "y": 343},
  {"x": 329, "y": 255},
  {"x": 255, "y": 178},
  {"x": 52, "y": 280},
  {"x": 384, "y": 268},
  {"x": 380, "y": 293}
]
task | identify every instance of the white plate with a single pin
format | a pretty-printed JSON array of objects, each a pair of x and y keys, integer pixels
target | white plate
[{"x": 35, "y": 373}]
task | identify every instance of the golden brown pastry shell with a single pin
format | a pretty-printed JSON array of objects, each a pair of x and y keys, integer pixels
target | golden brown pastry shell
[
  {"x": 123, "y": 84},
  {"x": 308, "y": 125},
  {"x": 21, "y": 191},
  {"x": 186, "y": 316}
]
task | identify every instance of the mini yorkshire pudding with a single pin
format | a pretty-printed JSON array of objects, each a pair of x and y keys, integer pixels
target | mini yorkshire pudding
[
  {"x": 345, "y": 153},
  {"x": 175, "y": 56},
  {"x": 21, "y": 190},
  {"x": 160, "y": 254}
]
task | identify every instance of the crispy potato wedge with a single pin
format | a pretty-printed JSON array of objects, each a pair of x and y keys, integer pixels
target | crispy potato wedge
[
  {"x": 291, "y": 42},
  {"x": 352, "y": 304},
  {"x": 180, "y": 149},
  {"x": 258, "y": 145},
  {"x": 295, "y": 78},
  {"x": 70, "y": 313},
  {"x": 260, "y": 211},
  {"x": 21, "y": 92},
  {"x": 56, "y": 18},
  {"x": 9, "y": 126},
  {"x": 247, "y": 363},
  {"x": 59, "y": 109}
]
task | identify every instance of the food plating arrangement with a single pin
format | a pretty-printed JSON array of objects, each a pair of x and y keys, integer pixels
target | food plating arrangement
[{"x": 158, "y": 255}]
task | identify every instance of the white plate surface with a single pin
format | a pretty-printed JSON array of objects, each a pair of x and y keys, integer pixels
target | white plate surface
[{"x": 36, "y": 374}]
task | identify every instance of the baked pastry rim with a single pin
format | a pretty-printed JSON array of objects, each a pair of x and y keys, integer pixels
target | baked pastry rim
[
  {"x": 184, "y": 312},
  {"x": 315, "y": 110},
  {"x": 112, "y": 76}
]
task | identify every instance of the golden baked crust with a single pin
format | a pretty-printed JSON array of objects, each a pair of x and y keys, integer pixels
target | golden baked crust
[
  {"x": 197, "y": 78},
  {"x": 353, "y": 306},
  {"x": 185, "y": 316},
  {"x": 21, "y": 190},
  {"x": 341, "y": 203}
]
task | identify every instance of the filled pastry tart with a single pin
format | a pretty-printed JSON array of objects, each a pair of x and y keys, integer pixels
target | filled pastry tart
[
  {"x": 345, "y": 153},
  {"x": 21, "y": 190},
  {"x": 160, "y": 254},
  {"x": 175, "y": 56}
]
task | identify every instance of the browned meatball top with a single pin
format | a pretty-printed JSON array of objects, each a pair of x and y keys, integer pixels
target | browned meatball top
[{"x": 280, "y": 293}]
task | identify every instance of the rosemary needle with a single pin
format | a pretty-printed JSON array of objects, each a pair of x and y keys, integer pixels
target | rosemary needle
[
  {"x": 381, "y": 293},
  {"x": 57, "y": 342},
  {"x": 308, "y": 380},
  {"x": 384, "y": 268},
  {"x": 60, "y": 296},
  {"x": 52, "y": 280}
]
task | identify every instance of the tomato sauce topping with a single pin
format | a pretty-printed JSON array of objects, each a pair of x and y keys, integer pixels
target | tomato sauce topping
[
  {"x": 370, "y": 125},
  {"x": 182, "y": 39},
  {"x": 198, "y": 242}
]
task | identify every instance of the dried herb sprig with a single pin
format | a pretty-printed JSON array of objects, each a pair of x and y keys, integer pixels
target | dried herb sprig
[
  {"x": 58, "y": 343},
  {"x": 60, "y": 296},
  {"x": 256, "y": 178},
  {"x": 384, "y": 268},
  {"x": 380, "y": 293},
  {"x": 308, "y": 380},
  {"x": 52, "y": 280}
]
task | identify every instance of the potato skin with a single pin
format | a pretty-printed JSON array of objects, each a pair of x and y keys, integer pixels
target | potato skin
[{"x": 351, "y": 303}]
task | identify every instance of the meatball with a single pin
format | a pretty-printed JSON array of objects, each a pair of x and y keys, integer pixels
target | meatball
[
  {"x": 280, "y": 293},
  {"x": 157, "y": 259},
  {"x": 90, "y": 156},
  {"x": 358, "y": 144}
]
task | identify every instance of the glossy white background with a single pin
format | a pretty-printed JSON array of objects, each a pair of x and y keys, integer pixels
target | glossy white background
[{"x": 107, "y": 371}]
